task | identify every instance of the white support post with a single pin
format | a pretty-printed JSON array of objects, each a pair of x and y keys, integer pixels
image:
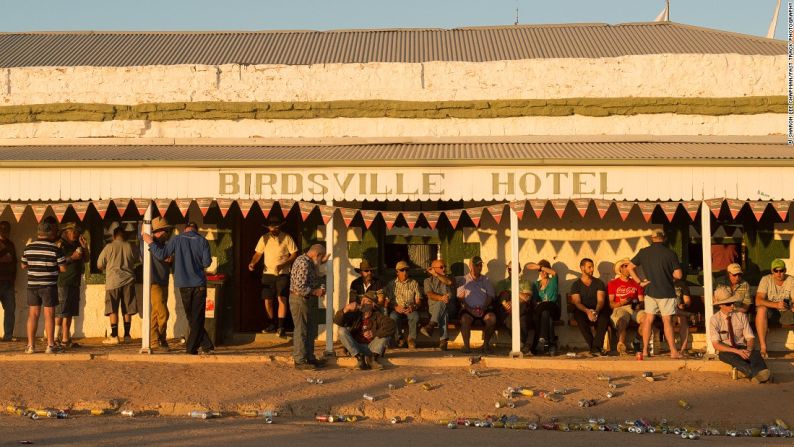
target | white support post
[
  {"x": 708, "y": 286},
  {"x": 329, "y": 285},
  {"x": 147, "y": 281},
  {"x": 515, "y": 350}
]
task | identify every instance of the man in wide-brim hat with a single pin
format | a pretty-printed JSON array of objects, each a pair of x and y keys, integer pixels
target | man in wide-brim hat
[
  {"x": 367, "y": 283},
  {"x": 161, "y": 271},
  {"x": 733, "y": 339}
]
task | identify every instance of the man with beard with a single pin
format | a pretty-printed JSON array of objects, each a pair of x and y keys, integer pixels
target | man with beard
[
  {"x": 303, "y": 298},
  {"x": 364, "y": 332}
]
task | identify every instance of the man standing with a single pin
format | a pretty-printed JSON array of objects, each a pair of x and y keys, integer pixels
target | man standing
[
  {"x": 440, "y": 293},
  {"x": 661, "y": 268},
  {"x": 404, "y": 298},
  {"x": 43, "y": 260},
  {"x": 770, "y": 300},
  {"x": 367, "y": 284},
  {"x": 118, "y": 259},
  {"x": 476, "y": 299},
  {"x": 625, "y": 296},
  {"x": 589, "y": 297},
  {"x": 158, "y": 292},
  {"x": 279, "y": 251},
  {"x": 733, "y": 339},
  {"x": 74, "y": 249},
  {"x": 304, "y": 281},
  {"x": 191, "y": 254},
  {"x": 738, "y": 286},
  {"x": 8, "y": 274},
  {"x": 364, "y": 332}
]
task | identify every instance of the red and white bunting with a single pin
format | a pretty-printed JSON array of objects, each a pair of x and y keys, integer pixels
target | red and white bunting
[
  {"x": 326, "y": 212},
  {"x": 519, "y": 206},
  {"x": 224, "y": 205},
  {"x": 669, "y": 209},
  {"x": 624, "y": 209},
  {"x": 602, "y": 206},
  {"x": 369, "y": 217},
  {"x": 646, "y": 208},
  {"x": 245, "y": 206},
  {"x": 453, "y": 216},
  {"x": 18, "y": 209},
  {"x": 183, "y": 205},
  {"x": 348, "y": 214},
  {"x": 121, "y": 204},
  {"x": 581, "y": 205},
  {"x": 410, "y": 218},
  {"x": 559, "y": 206},
  {"x": 735, "y": 206},
  {"x": 496, "y": 212},
  {"x": 141, "y": 205},
  {"x": 715, "y": 205},
  {"x": 80, "y": 208},
  {"x": 475, "y": 214},
  {"x": 306, "y": 208},
  {"x": 432, "y": 218},
  {"x": 286, "y": 206},
  {"x": 758, "y": 209},
  {"x": 101, "y": 207},
  {"x": 204, "y": 204},
  {"x": 389, "y": 217},
  {"x": 537, "y": 206},
  {"x": 781, "y": 207},
  {"x": 39, "y": 209},
  {"x": 162, "y": 205},
  {"x": 691, "y": 208},
  {"x": 266, "y": 205},
  {"x": 60, "y": 210}
]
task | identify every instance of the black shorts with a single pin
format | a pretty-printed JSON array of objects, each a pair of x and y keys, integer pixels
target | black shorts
[
  {"x": 46, "y": 295},
  {"x": 68, "y": 301},
  {"x": 124, "y": 296},
  {"x": 275, "y": 285}
]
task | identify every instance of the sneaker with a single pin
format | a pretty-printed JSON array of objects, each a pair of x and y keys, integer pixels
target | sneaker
[
  {"x": 762, "y": 376},
  {"x": 203, "y": 351},
  {"x": 111, "y": 341},
  {"x": 127, "y": 339},
  {"x": 29, "y": 350},
  {"x": 270, "y": 329},
  {"x": 54, "y": 349},
  {"x": 411, "y": 343},
  {"x": 595, "y": 352},
  {"x": 443, "y": 345},
  {"x": 428, "y": 330}
]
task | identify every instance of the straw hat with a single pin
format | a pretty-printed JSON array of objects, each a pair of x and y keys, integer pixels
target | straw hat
[
  {"x": 158, "y": 223},
  {"x": 619, "y": 263}
]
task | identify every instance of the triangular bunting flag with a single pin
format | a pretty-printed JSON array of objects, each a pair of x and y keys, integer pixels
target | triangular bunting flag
[
  {"x": 266, "y": 205},
  {"x": 18, "y": 209},
  {"x": 204, "y": 205},
  {"x": 758, "y": 209},
  {"x": 646, "y": 208},
  {"x": 496, "y": 212},
  {"x": 581, "y": 205},
  {"x": 669, "y": 209},
  {"x": 183, "y": 205},
  {"x": 369, "y": 217},
  {"x": 475, "y": 214},
  {"x": 624, "y": 209},
  {"x": 782, "y": 207},
  {"x": 389, "y": 217},
  {"x": 348, "y": 214},
  {"x": 691, "y": 208},
  {"x": 559, "y": 206},
  {"x": 519, "y": 206},
  {"x": 326, "y": 212},
  {"x": 101, "y": 207},
  {"x": 80, "y": 208},
  {"x": 537, "y": 206},
  {"x": 453, "y": 216},
  {"x": 224, "y": 205},
  {"x": 245, "y": 206},
  {"x": 286, "y": 206},
  {"x": 602, "y": 206},
  {"x": 306, "y": 208},
  {"x": 60, "y": 209},
  {"x": 432, "y": 218},
  {"x": 715, "y": 205},
  {"x": 410, "y": 218},
  {"x": 141, "y": 205},
  {"x": 121, "y": 204},
  {"x": 734, "y": 206},
  {"x": 39, "y": 210},
  {"x": 162, "y": 205}
]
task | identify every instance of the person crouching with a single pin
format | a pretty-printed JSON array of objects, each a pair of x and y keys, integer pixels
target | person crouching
[{"x": 364, "y": 332}]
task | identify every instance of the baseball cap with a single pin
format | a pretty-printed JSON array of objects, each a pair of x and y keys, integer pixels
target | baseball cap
[
  {"x": 777, "y": 264},
  {"x": 734, "y": 268},
  {"x": 402, "y": 265},
  {"x": 476, "y": 260}
]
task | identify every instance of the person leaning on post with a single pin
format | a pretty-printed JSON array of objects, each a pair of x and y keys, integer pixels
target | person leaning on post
[
  {"x": 364, "y": 331},
  {"x": 303, "y": 300},
  {"x": 158, "y": 292}
]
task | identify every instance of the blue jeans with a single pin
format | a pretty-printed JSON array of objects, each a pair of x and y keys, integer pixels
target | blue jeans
[
  {"x": 9, "y": 300},
  {"x": 376, "y": 346},
  {"x": 413, "y": 322},
  {"x": 304, "y": 315},
  {"x": 439, "y": 314}
]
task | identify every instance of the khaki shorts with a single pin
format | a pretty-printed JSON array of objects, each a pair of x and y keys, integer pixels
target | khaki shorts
[
  {"x": 626, "y": 313},
  {"x": 660, "y": 306}
]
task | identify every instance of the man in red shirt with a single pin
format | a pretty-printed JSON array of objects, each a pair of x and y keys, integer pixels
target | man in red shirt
[{"x": 625, "y": 296}]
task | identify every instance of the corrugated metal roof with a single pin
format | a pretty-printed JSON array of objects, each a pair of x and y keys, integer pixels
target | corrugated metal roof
[
  {"x": 117, "y": 49},
  {"x": 406, "y": 153}
]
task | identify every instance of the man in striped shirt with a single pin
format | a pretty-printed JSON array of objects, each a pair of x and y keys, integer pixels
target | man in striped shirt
[{"x": 43, "y": 260}]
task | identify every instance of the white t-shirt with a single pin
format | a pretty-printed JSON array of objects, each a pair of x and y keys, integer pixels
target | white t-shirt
[
  {"x": 276, "y": 249},
  {"x": 776, "y": 292}
]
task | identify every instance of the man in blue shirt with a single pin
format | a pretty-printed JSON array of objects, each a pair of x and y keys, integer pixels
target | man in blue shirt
[{"x": 191, "y": 254}]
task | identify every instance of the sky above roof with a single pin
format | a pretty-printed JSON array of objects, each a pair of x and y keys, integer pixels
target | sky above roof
[{"x": 743, "y": 16}]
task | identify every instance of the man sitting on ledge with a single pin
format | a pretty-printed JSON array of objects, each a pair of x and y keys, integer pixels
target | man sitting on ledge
[{"x": 364, "y": 332}]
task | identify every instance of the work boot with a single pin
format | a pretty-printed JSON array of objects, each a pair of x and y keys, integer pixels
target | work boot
[
  {"x": 762, "y": 376},
  {"x": 411, "y": 343},
  {"x": 361, "y": 362},
  {"x": 378, "y": 362},
  {"x": 428, "y": 329}
]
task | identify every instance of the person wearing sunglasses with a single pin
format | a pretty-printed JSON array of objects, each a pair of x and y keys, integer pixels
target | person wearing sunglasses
[
  {"x": 773, "y": 301},
  {"x": 404, "y": 296}
]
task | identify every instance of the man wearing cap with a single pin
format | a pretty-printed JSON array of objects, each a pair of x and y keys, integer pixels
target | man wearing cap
[
  {"x": 279, "y": 251},
  {"x": 74, "y": 248},
  {"x": 661, "y": 268},
  {"x": 475, "y": 296},
  {"x": 43, "y": 260},
  {"x": 441, "y": 301},
  {"x": 118, "y": 260},
  {"x": 733, "y": 339},
  {"x": 192, "y": 256},
  {"x": 364, "y": 332},
  {"x": 734, "y": 281},
  {"x": 404, "y": 297},
  {"x": 773, "y": 300},
  {"x": 625, "y": 296},
  {"x": 8, "y": 274},
  {"x": 367, "y": 284},
  {"x": 158, "y": 291},
  {"x": 589, "y": 297},
  {"x": 303, "y": 303}
]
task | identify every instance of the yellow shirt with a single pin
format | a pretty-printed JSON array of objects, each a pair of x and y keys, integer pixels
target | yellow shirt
[{"x": 276, "y": 249}]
